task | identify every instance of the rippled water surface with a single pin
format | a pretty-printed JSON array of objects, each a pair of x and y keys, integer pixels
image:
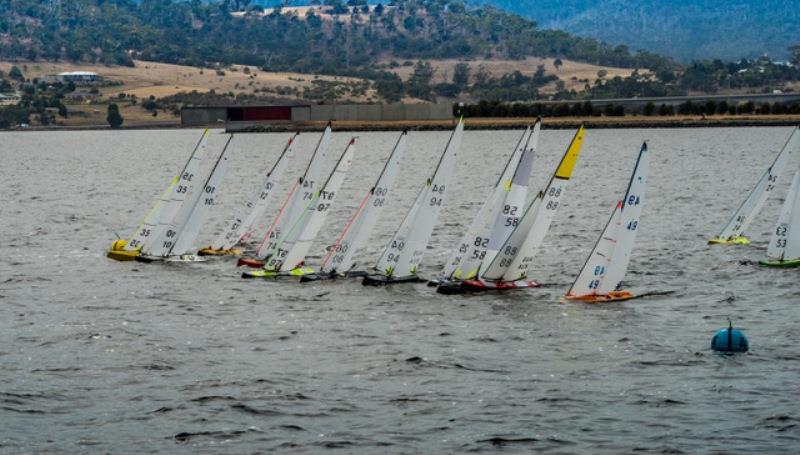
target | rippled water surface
[{"x": 104, "y": 356}]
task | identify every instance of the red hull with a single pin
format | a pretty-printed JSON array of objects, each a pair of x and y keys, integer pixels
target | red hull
[
  {"x": 480, "y": 285},
  {"x": 250, "y": 262}
]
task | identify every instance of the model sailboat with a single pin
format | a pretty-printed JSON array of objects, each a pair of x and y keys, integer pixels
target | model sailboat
[
  {"x": 340, "y": 258},
  {"x": 600, "y": 279},
  {"x": 296, "y": 202},
  {"x": 149, "y": 230},
  {"x": 508, "y": 268},
  {"x": 241, "y": 226},
  {"x": 176, "y": 234},
  {"x": 784, "y": 246},
  {"x": 733, "y": 232},
  {"x": 401, "y": 259},
  {"x": 501, "y": 210},
  {"x": 292, "y": 248}
]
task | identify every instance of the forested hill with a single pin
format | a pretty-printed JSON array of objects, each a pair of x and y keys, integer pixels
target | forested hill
[
  {"x": 686, "y": 30},
  {"x": 200, "y": 33}
]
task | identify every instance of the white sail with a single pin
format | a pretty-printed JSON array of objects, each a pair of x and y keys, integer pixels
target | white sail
[
  {"x": 508, "y": 212},
  {"x": 630, "y": 213},
  {"x": 780, "y": 240},
  {"x": 793, "y": 242},
  {"x": 187, "y": 233},
  {"x": 593, "y": 271},
  {"x": 766, "y": 184},
  {"x": 243, "y": 222},
  {"x": 515, "y": 256},
  {"x": 293, "y": 248},
  {"x": 340, "y": 257},
  {"x": 172, "y": 212},
  {"x": 488, "y": 211},
  {"x": 299, "y": 199},
  {"x": 407, "y": 248},
  {"x": 145, "y": 229}
]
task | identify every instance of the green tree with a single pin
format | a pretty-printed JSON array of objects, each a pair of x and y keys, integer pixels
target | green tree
[
  {"x": 649, "y": 108},
  {"x": 557, "y": 63},
  {"x": 461, "y": 75},
  {"x": 419, "y": 84},
  {"x": 114, "y": 118},
  {"x": 16, "y": 73},
  {"x": 794, "y": 55}
]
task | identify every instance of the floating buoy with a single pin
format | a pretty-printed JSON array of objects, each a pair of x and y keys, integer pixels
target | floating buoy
[{"x": 730, "y": 340}]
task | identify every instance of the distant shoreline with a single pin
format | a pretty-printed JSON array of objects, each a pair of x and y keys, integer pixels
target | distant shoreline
[
  {"x": 522, "y": 122},
  {"x": 471, "y": 124}
]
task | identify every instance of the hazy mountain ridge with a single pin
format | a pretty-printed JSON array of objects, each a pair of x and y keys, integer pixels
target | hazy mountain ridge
[{"x": 703, "y": 29}]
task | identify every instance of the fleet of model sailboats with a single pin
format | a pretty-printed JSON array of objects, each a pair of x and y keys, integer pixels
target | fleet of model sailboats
[
  {"x": 517, "y": 237},
  {"x": 495, "y": 252},
  {"x": 340, "y": 258},
  {"x": 288, "y": 254},
  {"x": 241, "y": 227}
]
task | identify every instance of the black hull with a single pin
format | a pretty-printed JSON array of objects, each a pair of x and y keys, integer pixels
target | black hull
[{"x": 383, "y": 280}]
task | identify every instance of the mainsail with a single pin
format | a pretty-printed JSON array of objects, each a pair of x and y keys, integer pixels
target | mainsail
[
  {"x": 407, "y": 248},
  {"x": 242, "y": 224},
  {"x": 340, "y": 256},
  {"x": 741, "y": 220},
  {"x": 785, "y": 241},
  {"x": 604, "y": 270}
]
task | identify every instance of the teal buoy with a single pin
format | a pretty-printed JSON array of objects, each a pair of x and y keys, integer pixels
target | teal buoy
[{"x": 730, "y": 340}]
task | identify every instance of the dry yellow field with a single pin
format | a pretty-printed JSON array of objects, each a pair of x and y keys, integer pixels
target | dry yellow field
[
  {"x": 161, "y": 79},
  {"x": 574, "y": 74}
]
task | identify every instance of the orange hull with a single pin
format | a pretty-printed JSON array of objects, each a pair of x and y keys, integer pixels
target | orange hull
[{"x": 614, "y": 296}]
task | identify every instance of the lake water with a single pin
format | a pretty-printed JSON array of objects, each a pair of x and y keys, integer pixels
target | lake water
[{"x": 102, "y": 356}]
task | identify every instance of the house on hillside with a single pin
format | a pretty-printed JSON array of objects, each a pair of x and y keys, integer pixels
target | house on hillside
[
  {"x": 81, "y": 78},
  {"x": 9, "y": 99}
]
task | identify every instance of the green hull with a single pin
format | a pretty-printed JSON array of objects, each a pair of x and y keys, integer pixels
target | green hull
[
  {"x": 781, "y": 264},
  {"x": 261, "y": 273}
]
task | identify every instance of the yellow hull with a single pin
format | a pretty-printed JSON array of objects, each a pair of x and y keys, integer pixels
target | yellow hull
[
  {"x": 213, "y": 252},
  {"x": 122, "y": 255},
  {"x": 614, "y": 296},
  {"x": 738, "y": 240}
]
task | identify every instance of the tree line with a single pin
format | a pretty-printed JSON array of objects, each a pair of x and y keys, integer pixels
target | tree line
[{"x": 589, "y": 109}]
